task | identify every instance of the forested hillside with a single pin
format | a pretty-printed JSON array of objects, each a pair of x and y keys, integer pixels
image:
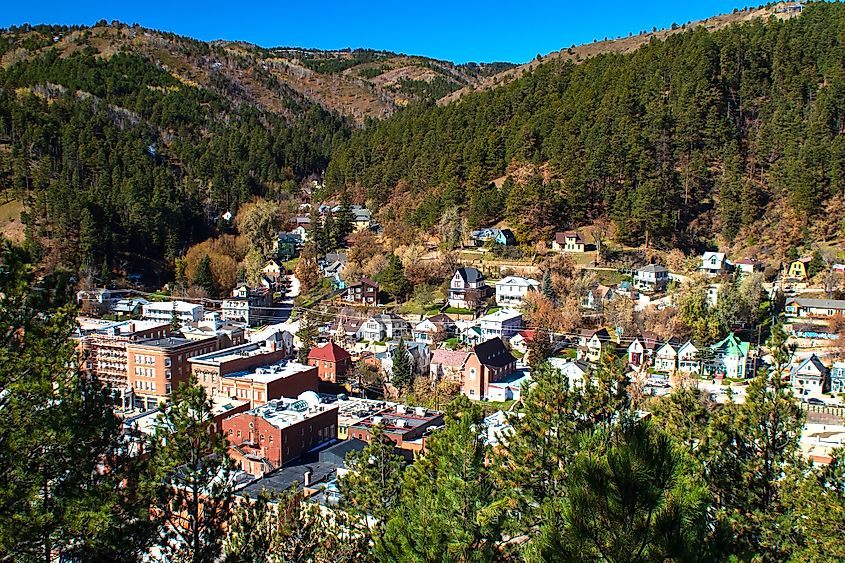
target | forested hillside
[
  {"x": 683, "y": 140},
  {"x": 115, "y": 156}
]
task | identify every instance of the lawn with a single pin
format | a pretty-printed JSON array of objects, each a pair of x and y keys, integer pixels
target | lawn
[
  {"x": 458, "y": 311},
  {"x": 493, "y": 406}
]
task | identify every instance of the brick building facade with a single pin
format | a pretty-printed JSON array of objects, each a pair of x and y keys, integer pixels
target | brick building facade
[
  {"x": 267, "y": 437},
  {"x": 333, "y": 363}
]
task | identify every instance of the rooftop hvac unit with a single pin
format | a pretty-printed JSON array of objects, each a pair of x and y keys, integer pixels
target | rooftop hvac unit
[
  {"x": 378, "y": 419},
  {"x": 401, "y": 409},
  {"x": 400, "y": 423},
  {"x": 299, "y": 406},
  {"x": 419, "y": 411}
]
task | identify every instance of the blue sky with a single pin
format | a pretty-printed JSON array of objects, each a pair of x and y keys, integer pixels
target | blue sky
[{"x": 459, "y": 31}]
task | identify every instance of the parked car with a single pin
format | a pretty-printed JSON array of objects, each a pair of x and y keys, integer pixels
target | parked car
[{"x": 815, "y": 401}]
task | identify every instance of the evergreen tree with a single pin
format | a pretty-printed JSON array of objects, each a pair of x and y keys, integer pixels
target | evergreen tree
[
  {"x": 58, "y": 433},
  {"x": 402, "y": 375},
  {"x": 343, "y": 222},
  {"x": 202, "y": 275},
  {"x": 175, "y": 324},
  {"x": 546, "y": 286},
  {"x": 316, "y": 239},
  {"x": 392, "y": 279},
  {"x": 539, "y": 348},
  {"x": 683, "y": 415},
  {"x": 628, "y": 496},
  {"x": 535, "y": 455},
  {"x": 279, "y": 527},
  {"x": 816, "y": 265},
  {"x": 747, "y": 449},
  {"x": 448, "y": 510},
  {"x": 370, "y": 491},
  {"x": 190, "y": 474},
  {"x": 307, "y": 335}
]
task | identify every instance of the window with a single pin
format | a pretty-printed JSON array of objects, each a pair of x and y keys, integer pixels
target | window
[
  {"x": 239, "y": 433},
  {"x": 270, "y": 438},
  {"x": 262, "y": 437}
]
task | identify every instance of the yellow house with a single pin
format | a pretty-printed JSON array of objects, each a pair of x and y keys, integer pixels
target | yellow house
[
  {"x": 272, "y": 269},
  {"x": 798, "y": 268}
]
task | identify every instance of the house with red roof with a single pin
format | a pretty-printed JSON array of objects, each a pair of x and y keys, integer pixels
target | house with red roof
[{"x": 333, "y": 363}]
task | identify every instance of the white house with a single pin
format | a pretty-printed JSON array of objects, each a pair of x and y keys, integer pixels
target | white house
[
  {"x": 372, "y": 330},
  {"x": 809, "y": 377},
  {"x": 425, "y": 331},
  {"x": 511, "y": 291},
  {"x": 467, "y": 288},
  {"x": 653, "y": 277},
  {"x": 688, "y": 360},
  {"x": 590, "y": 343},
  {"x": 503, "y": 323},
  {"x": 730, "y": 358},
  {"x": 596, "y": 299},
  {"x": 714, "y": 264},
  {"x": 163, "y": 311},
  {"x": 510, "y": 387},
  {"x": 806, "y": 307},
  {"x": 387, "y": 326},
  {"x": 747, "y": 266},
  {"x": 666, "y": 358},
  {"x": 641, "y": 350},
  {"x": 574, "y": 370}
]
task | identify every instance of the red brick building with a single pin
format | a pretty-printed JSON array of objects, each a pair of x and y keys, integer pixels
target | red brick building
[
  {"x": 265, "y": 383},
  {"x": 156, "y": 366},
  {"x": 488, "y": 362},
  {"x": 407, "y": 426},
  {"x": 333, "y": 363},
  {"x": 102, "y": 345},
  {"x": 210, "y": 369},
  {"x": 267, "y": 437}
]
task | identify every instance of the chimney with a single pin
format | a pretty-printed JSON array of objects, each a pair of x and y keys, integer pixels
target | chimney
[{"x": 306, "y": 479}]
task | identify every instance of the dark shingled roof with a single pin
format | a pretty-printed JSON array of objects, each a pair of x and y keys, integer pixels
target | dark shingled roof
[
  {"x": 493, "y": 353},
  {"x": 470, "y": 275}
]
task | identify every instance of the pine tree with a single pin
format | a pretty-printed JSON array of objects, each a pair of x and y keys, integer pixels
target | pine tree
[
  {"x": 57, "y": 430},
  {"x": 683, "y": 415},
  {"x": 202, "y": 275},
  {"x": 546, "y": 287},
  {"x": 628, "y": 496},
  {"x": 370, "y": 491},
  {"x": 316, "y": 240},
  {"x": 278, "y": 527},
  {"x": 392, "y": 279},
  {"x": 175, "y": 323},
  {"x": 307, "y": 335},
  {"x": 343, "y": 223},
  {"x": 539, "y": 348},
  {"x": 747, "y": 448},
  {"x": 448, "y": 510},
  {"x": 401, "y": 376},
  {"x": 534, "y": 457},
  {"x": 190, "y": 474}
]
